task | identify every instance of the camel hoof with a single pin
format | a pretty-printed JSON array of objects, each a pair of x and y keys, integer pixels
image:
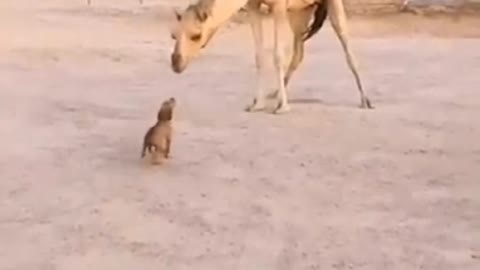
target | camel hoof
[
  {"x": 255, "y": 106},
  {"x": 366, "y": 104},
  {"x": 282, "y": 108}
]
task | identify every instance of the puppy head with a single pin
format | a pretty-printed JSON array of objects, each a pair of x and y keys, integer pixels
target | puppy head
[{"x": 166, "y": 110}]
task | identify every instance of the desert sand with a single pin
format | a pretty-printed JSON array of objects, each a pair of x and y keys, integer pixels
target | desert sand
[{"x": 326, "y": 186}]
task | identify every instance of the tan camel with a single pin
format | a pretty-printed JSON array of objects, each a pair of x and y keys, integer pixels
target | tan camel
[{"x": 197, "y": 24}]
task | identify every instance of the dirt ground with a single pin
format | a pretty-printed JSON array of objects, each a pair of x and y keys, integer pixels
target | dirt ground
[{"x": 327, "y": 186}]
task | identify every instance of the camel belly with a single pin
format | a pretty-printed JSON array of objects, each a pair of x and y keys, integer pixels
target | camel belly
[{"x": 292, "y": 4}]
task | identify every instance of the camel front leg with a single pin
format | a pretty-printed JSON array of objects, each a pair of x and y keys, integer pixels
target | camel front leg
[
  {"x": 281, "y": 28},
  {"x": 257, "y": 31},
  {"x": 338, "y": 20}
]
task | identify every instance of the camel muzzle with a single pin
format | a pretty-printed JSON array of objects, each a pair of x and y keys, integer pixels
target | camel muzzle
[{"x": 178, "y": 65}]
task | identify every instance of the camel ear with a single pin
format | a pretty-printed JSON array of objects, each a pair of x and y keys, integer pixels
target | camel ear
[
  {"x": 201, "y": 15},
  {"x": 178, "y": 15}
]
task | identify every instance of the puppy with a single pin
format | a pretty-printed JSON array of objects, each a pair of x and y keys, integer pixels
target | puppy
[{"x": 159, "y": 137}]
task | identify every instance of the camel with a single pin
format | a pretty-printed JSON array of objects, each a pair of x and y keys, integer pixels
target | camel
[{"x": 199, "y": 22}]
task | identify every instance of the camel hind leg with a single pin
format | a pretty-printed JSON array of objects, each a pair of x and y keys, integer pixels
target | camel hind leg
[
  {"x": 297, "y": 58},
  {"x": 299, "y": 24},
  {"x": 338, "y": 20}
]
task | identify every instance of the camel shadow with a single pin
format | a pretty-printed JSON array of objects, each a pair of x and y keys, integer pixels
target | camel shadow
[
  {"x": 306, "y": 101},
  {"x": 310, "y": 101}
]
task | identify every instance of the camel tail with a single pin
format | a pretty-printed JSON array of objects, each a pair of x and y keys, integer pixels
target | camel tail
[{"x": 319, "y": 17}]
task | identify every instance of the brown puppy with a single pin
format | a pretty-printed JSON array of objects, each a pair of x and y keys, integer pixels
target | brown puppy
[{"x": 159, "y": 137}]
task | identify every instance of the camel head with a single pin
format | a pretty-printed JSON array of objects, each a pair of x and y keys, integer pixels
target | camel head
[{"x": 192, "y": 31}]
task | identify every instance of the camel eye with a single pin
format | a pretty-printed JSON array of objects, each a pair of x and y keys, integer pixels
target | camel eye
[
  {"x": 196, "y": 37},
  {"x": 173, "y": 36}
]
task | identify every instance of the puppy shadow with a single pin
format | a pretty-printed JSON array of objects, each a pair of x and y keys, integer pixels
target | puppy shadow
[{"x": 123, "y": 155}]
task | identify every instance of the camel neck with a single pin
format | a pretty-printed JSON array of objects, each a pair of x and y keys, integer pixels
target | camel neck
[{"x": 223, "y": 10}]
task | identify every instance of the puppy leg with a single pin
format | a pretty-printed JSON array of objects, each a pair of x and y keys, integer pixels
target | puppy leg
[
  {"x": 157, "y": 155},
  {"x": 146, "y": 146},
  {"x": 152, "y": 148},
  {"x": 167, "y": 147}
]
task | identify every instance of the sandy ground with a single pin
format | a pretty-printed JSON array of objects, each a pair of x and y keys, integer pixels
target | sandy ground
[{"x": 327, "y": 186}]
